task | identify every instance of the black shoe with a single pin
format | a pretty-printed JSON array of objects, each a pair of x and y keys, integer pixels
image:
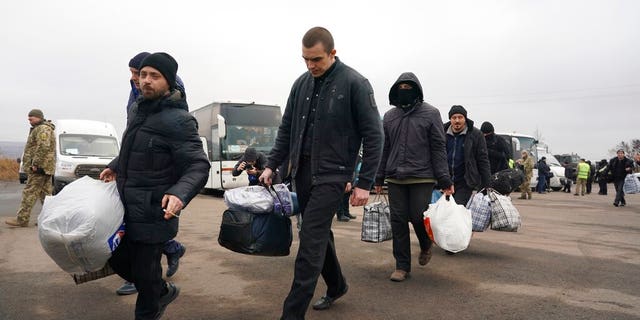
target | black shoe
[
  {"x": 615, "y": 204},
  {"x": 173, "y": 261},
  {"x": 172, "y": 293},
  {"x": 126, "y": 289},
  {"x": 325, "y": 301},
  {"x": 343, "y": 218},
  {"x": 351, "y": 216}
]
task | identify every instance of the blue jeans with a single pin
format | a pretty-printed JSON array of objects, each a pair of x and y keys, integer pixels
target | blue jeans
[{"x": 542, "y": 184}]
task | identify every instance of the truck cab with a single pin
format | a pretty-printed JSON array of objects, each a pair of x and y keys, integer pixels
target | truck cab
[{"x": 83, "y": 148}]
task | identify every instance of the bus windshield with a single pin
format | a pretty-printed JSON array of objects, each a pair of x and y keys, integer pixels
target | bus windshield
[
  {"x": 521, "y": 143},
  {"x": 88, "y": 145},
  {"x": 249, "y": 126}
]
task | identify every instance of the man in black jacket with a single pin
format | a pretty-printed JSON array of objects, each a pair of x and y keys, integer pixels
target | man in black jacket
[
  {"x": 253, "y": 163},
  {"x": 330, "y": 113},
  {"x": 160, "y": 168},
  {"x": 620, "y": 166},
  {"x": 466, "y": 155},
  {"x": 414, "y": 159}
]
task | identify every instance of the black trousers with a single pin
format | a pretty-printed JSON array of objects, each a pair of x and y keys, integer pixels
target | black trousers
[
  {"x": 407, "y": 203},
  {"x": 463, "y": 192},
  {"x": 140, "y": 263},
  {"x": 619, "y": 192},
  {"x": 603, "y": 187},
  {"x": 316, "y": 253}
]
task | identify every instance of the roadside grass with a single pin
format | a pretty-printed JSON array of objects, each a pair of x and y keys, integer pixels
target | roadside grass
[{"x": 9, "y": 169}]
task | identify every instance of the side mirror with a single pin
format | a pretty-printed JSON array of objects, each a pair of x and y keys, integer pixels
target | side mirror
[{"x": 222, "y": 127}]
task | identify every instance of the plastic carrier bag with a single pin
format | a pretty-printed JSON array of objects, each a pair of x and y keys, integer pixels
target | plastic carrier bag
[
  {"x": 376, "y": 221},
  {"x": 631, "y": 183},
  {"x": 81, "y": 225},
  {"x": 448, "y": 224}
]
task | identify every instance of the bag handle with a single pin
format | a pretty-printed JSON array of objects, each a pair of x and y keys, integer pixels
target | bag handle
[
  {"x": 381, "y": 195},
  {"x": 270, "y": 188}
]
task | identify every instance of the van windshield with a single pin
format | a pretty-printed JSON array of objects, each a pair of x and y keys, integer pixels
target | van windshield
[{"x": 88, "y": 145}]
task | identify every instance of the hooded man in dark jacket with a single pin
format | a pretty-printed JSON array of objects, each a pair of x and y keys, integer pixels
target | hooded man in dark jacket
[
  {"x": 497, "y": 148},
  {"x": 414, "y": 159},
  {"x": 160, "y": 168},
  {"x": 467, "y": 155}
]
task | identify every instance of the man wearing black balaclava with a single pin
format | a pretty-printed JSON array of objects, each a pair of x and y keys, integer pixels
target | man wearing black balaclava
[{"x": 414, "y": 159}]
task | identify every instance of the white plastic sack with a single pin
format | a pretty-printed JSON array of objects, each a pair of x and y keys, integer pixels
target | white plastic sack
[
  {"x": 80, "y": 226},
  {"x": 631, "y": 183},
  {"x": 448, "y": 224}
]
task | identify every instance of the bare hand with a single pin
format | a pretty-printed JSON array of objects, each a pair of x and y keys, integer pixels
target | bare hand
[
  {"x": 449, "y": 191},
  {"x": 107, "y": 175},
  {"x": 347, "y": 188},
  {"x": 359, "y": 197},
  {"x": 172, "y": 206},
  {"x": 265, "y": 177},
  {"x": 242, "y": 165}
]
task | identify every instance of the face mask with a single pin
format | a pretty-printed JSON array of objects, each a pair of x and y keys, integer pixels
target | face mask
[{"x": 406, "y": 98}]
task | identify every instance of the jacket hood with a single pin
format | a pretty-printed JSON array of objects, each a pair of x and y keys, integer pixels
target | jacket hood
[
  {"x": 407, "y": 77},
  {"x": 48, "y": 123}
]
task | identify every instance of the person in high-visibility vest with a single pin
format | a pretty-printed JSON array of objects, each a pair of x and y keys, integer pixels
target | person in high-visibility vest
[{"x": 583, "y": 175}]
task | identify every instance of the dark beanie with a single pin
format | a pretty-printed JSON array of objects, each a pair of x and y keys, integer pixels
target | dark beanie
[
  {"x": 250, "y": 154},
  {"x": 36, "y": 113},
  {"x": 137, "y": 60},
  {"x": 457, "y": 109},
  {"x": 165, "y": 64},
  {"x": 486, "y": 127}
]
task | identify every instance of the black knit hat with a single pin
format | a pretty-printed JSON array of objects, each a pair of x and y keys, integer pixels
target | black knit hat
[
  {"x": 137, "y": 60},
  {"x": 164, "y": 63},
  {"x": 486, "y": 127},
  {"x": 458, "y": 109}
]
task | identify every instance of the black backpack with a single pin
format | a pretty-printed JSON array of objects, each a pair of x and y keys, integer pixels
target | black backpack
[{"x": 507, "y": 180}]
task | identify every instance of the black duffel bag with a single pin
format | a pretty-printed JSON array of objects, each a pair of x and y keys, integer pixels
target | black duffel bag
[
  {"x": 266, "y": 234},
  {"x": 506, "y": 181}
]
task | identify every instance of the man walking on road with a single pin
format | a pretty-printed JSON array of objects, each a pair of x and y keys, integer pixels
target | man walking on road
[
  {"x": 466, "y": 155},
  {"x": 39, "y": 162},
  {"x": 160, "y": 168},
  {"x": 330, "y": 113},
  {"x": 620, "y": 166}
]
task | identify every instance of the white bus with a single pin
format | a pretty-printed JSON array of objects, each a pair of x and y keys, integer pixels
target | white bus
[{"x": 227, "y": 129}]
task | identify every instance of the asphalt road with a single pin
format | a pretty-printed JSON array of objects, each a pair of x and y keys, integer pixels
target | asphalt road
[{"x": 573, "y": 258}]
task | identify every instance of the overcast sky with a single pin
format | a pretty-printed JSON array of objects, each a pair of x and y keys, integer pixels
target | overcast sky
[{"x": 568, "y": 69}]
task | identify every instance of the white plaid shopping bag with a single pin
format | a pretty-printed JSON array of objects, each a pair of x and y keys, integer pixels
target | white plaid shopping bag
[
  {"x": 480, "y": 207},
  {"x": 504, "y": 215},
  {"x": 376, "y": 221}
]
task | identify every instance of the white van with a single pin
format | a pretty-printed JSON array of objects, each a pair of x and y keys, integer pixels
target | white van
[{"x": 83, "y": 148}]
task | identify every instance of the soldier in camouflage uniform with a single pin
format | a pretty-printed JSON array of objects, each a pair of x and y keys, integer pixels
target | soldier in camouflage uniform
[
  {"x": 526, "y": 163},
  {"x": 39, "y": 163}
]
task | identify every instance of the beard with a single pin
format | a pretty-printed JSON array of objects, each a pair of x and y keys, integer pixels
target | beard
[{"x": 151, "y": 94}]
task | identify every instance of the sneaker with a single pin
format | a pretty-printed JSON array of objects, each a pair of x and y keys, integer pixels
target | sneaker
[
  {"x": 15, "y": 223},
  {"x": 399, "y": 275},
  {"x": 173, "y": 261},
  {"x": 424, "y": 257},
  {"x": 127, "y": 289},
  {"x": 172, "y": 293}
]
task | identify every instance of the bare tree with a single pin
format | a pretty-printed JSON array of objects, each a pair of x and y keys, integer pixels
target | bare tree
[{"x": 538, "y": 134}]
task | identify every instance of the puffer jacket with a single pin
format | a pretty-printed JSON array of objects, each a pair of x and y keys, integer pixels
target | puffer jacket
[
  {"x": 161, "y": 154},
  {"x": 40, "y": 150},
  {"x": 346, "y": 117},
  {"x": 414, "y": 141},
  {"x": 476, "y": 159}
]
